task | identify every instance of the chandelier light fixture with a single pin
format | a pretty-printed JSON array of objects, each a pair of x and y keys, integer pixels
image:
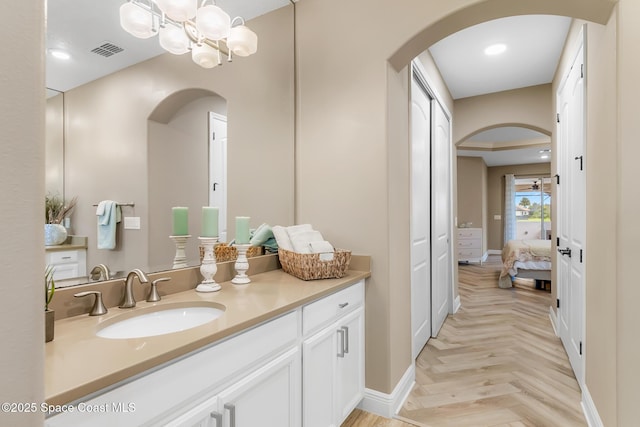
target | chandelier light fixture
[{"x": 207, "y": 31}]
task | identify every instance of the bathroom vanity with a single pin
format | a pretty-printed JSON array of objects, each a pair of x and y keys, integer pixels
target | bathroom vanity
[{"x": 285, "y": 353}]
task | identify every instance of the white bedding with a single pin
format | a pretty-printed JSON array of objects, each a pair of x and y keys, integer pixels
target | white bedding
[{"x": 529, "y": 265}]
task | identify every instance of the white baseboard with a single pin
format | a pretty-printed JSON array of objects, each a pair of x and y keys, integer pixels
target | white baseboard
[
  {"x": 589, "y": 409},
  {"x": 456, "y": 304},
  {"x": 387, "y": 405},
  {"x": 554, "y": 320},
  {"x": 494, "y": 252}
]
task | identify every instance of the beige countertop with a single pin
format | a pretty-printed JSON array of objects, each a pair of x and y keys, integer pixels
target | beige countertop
[{"x": 78, "y": 362}]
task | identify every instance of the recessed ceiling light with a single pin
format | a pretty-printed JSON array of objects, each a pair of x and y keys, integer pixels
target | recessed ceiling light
[
  {"x": 544, "y": 156},
  {"x": 495, "y": 49},
  {"x": 60, "y": 54}
]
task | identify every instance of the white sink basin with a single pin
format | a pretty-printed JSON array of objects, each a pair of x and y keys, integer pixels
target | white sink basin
[{"x": 160, "y": 321}]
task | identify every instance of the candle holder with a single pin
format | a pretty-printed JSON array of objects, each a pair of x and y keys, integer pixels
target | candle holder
[
  {"x": 180, "y": 260},
  {"x": 208, "y": 267},
  {"x": 241, "y": 265}
]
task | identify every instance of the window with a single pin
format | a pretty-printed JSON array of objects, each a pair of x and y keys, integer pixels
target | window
[{"x": 533, "y": 208}]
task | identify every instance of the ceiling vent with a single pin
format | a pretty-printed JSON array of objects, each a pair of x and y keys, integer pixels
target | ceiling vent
[{"x": 107, "y": 49}]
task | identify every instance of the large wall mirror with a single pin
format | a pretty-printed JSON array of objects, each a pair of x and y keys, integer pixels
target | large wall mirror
[{"x": 142, "y": 135}]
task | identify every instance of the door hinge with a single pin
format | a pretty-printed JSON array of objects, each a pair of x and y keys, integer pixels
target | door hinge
[
  {"x": 557, "y": 179},
  {"x": 581, "y": 70},
  {"x": 581, "y": 256},
  {"x": 558, "y": 117},
  {"x": 579, "y": 158},
  {"x": 580, "y": 348},
  {"x": 557, "y": 241},
  {"x": 558, "y": 303},
  {"x": 213, "y": 136}
]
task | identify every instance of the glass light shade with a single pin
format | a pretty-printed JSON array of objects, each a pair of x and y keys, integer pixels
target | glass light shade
[
  {"x": 173, "y": 39},
  {"x": 136, "y": 21},
  {"x": 178, "y": 10},
  {"x": 204, "y": 55},
  {"x": 242, "y": 41},
  {"x": 213, "y": 22}
]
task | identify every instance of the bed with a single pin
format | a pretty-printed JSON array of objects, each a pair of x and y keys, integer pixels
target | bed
[{"x": 525, "y": 259}]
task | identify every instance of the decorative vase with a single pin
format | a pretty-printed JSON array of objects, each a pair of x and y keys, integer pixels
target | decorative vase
[
  {"x": 49, "y": 317},
  {"x": 54, "y": 234}
]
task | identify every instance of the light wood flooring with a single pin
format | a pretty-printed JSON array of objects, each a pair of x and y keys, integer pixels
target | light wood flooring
[{"x": 497, "y": 362}]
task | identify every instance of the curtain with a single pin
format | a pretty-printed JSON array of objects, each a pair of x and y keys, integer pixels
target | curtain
[{"x": 509, "y": 207}]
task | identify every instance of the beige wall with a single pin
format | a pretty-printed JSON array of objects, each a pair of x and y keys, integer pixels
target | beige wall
[
  {"x": 22, "y": 120},
  {"x": 627, "y": 229},
  {"x": 528, "y": 107},
  {"x": 472, "y": 194},
  {"x": 107, "y": 139},
  {"x": 54, "y": 145}
]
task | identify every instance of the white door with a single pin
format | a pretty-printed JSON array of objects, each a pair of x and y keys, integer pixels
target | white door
[
  {"x": 572, "y": 214},
  {"x": 269, "y": 397},
  {"x": 218, "y": 170},
  {"x": 420, "y": 217},
  {"x": 441, "y": 219}
]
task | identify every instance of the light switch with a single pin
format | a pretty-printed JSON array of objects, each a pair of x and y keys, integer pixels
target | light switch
[
  {"x": 132, "y": 223},
  {"x": 497, "y": 217}
]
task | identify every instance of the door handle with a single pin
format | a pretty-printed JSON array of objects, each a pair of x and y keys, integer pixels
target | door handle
[
  {"x": 232, "y": 413},
  {"x": 218, "y": 417},
  {"x": 341, "y": 351},
  {"x": 345, "y": 336},
  {"x": 565, "y": 251}
]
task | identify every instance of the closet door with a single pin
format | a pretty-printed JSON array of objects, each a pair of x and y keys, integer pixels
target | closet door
[
  {"x": 420, "y": 216},
  {"x": 441, "y": 219}
]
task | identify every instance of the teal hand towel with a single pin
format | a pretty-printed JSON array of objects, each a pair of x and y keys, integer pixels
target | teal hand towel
[
  {"x": 261, "y": 235},
  {"x": 108, "y": 216}
]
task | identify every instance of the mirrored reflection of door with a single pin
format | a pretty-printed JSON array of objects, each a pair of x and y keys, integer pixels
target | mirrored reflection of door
[{"x": 218, "y": 169}]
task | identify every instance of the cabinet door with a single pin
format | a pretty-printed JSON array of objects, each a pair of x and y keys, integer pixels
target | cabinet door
[
  {"x": 318, "y": 390},
  {"x": 268, "y": 397},
  {"x": 204, "y": 415},
  {"x": 350, "y": 364}
]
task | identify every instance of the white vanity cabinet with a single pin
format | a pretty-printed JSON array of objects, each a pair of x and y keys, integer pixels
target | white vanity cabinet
[
  {"x": 67, "y": 264},
  {"x": 270, "y": 393},
  {"x": 252, "y": 376},
  {"x": 333, "y": 355}
]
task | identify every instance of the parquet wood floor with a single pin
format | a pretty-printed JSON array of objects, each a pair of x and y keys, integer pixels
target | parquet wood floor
[{"x": 497, "y": 362}]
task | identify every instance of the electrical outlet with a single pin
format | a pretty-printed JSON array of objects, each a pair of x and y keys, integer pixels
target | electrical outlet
[{"x": 132, "y": 223}]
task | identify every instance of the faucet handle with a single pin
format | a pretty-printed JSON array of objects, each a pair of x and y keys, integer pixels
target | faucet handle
[
  {"x": 98, "y": 308},
  {"x": 154, "y": 296}
]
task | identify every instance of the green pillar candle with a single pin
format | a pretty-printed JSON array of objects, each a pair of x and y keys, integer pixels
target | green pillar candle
[
  {"x": 180, "y": 221},
  {"x": 209, "y": 221},
  {"x": 242, "y": 230}
]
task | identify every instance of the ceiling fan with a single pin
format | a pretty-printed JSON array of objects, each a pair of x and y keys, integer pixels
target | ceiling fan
[{"x": 535, "y": 186}]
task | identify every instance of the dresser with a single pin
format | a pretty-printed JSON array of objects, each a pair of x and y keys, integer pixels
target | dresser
[{"x": 470, "y": 245}]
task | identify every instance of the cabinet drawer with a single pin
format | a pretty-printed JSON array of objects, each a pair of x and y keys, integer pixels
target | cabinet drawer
[
  {"x": 332, "y": 307},
  {"x": 469, "y": 244},
  {"x": 469, "y": 233},
  {"x": 66, "y": 271},
  {"x": 63, "y": 257},
  {"x": 469, "y": 253}
]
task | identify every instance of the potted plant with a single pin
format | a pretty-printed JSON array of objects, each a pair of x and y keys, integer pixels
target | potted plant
[
  {"x": 55, "y": 212},
  {"x": 49, "y": 315}
]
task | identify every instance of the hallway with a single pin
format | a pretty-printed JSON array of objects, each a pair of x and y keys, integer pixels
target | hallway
[{"x": 497, "y": 362}]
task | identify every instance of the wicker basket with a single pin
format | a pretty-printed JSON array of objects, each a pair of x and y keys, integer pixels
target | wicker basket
[
  {"x": 311, "y": 267},
  {"x": 224, "y": 252}
]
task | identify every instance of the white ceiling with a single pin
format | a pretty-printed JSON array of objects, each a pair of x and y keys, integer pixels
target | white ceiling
[
  {"x": 78, "y": 26},
  {"x": 534, "y": 44}
]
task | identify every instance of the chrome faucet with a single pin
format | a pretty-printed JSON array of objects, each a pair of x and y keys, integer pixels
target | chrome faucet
[
  {"x": 129, "y": 301},
  {"x": 100, "y": 272}
]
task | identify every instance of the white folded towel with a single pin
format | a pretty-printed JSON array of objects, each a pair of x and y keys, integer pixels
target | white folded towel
[
  {"x": 321, "y": 247},
  {"x": 300, "y": 240},
  {"x": 282, "y": 237}
]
